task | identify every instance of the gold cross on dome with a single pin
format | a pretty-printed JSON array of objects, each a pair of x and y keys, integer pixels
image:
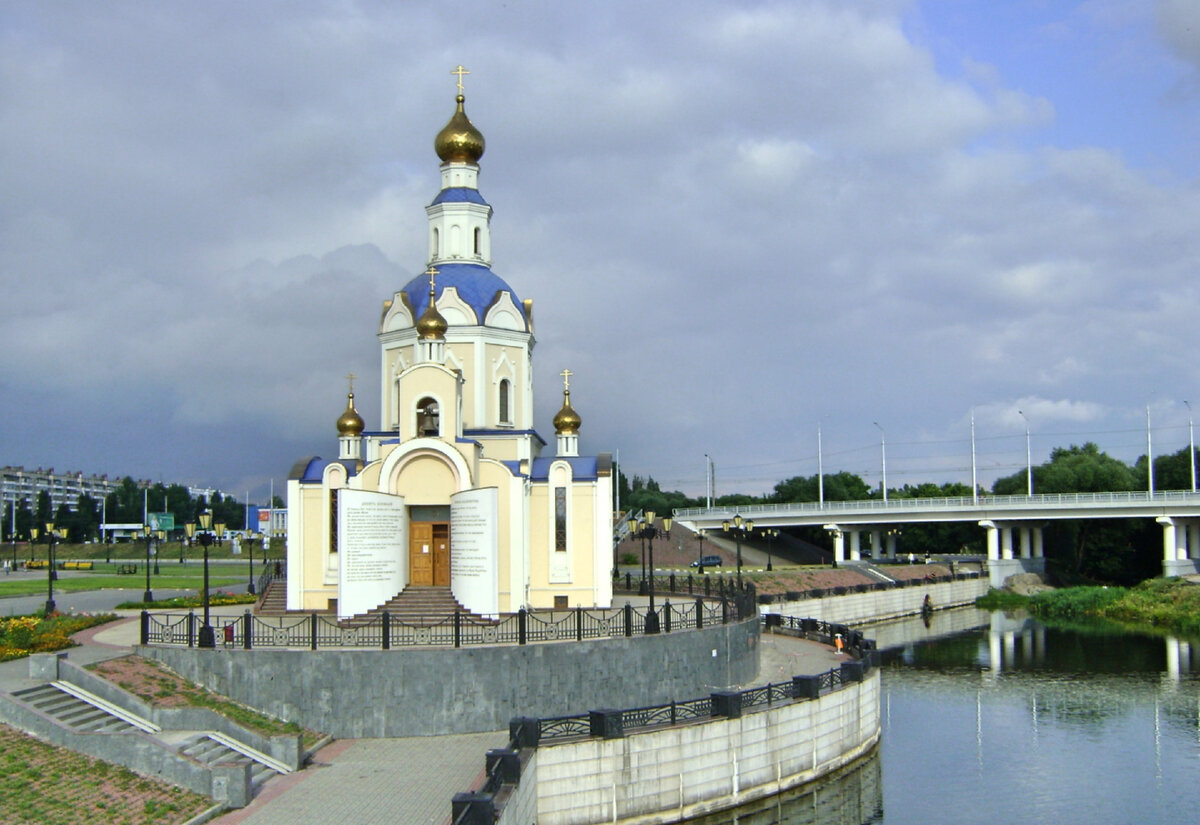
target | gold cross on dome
[
  {"x": 460, "y": 71},
  {"x": 351, "y": 378},
  {"x": 432, "y": 272},
  {"x": 566, "y": 374}
]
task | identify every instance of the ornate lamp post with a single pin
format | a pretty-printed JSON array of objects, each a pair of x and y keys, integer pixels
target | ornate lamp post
[
  {"x": 50, "y": 606},
  {"x": 700, "y": 534},
  {"x": 250, "y": 550},
  {"x": 148, "y": 596},
  {"x": 739, "y": 528},
  {"x": 189, "y": 530},
  {"x": 206, "y": 638},
  {"x": 162, "y": 539},
  {"x": 770, "y": 534}
]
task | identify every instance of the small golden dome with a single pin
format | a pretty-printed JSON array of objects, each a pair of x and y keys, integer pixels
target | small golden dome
[
  {"x": 567, "y": 422},
  {"x": 350, "y": 423},
  {"x": 459, "y": 140},
  {"x": 431, "y": 325}
]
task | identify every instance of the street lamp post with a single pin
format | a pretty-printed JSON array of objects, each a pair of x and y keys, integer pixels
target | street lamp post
[
  {"x": 739, "y": 528},
  {"x": 883, "y": 457},
  {"x": 250, "y": 551},
  {"x": 1028, "y": 458},
  {"x": 770, "y": 534},
  {"x": 50, "y": 606},
  {"x": 162, "y": 539},
  {"x": 1191, "y": 454},
  {"x": 148, "y": 596},
  {"x": 207, "y": 637},
  {"x": 700, "y": 534}
]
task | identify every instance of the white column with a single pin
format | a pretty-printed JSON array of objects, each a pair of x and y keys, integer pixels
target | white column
[
  {"x": 839, "y": 545},
  {"x": 877, "y": 544},
  {"x": 993, "y": 540},
  {"x": 891, "y": 546},
  {"x": 1193, "y": 540},
  {"x": 1006, "y": 543},
  {"x": 1039, "y": 548},
  {"x": 855, "y": 545},
  {"x": 1181, "y": 535},
  {"x": 1026, "y": 551},
  {"x": 1168, "y": 537}
]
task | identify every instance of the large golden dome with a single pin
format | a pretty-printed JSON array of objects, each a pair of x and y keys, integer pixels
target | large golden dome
[
  {"x": 459, "y": 140},
  {"x": 350, "y": 423},
  {"x": 567, "y": 422}
]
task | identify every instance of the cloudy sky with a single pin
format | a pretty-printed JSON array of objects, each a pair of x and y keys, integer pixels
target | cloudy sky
[{"x": 739, "y": 222}]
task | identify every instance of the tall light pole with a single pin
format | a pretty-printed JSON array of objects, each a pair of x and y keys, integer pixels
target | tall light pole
[
  {"x": 207, "y": 638},
  {"x": 883, "y": 456},
  {"x": 1149, "y": 456},
  {"x": 974, "y": 481},
  {"x": 700, "y": 534},
  {"x": 770, "y": 534},
  {"x": 820, "y": 472},
  {"x": 250, "y": 550},
  {"x": 1191, "y": 454},
  {"x": 739, "y": 528},
  {"x": 1028, "y": 458},
  {"x": 50, "y": 606}
]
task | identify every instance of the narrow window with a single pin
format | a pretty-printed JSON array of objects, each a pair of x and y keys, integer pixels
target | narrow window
[
  {"x": 333, "y": 521},
  {"x": 560, "y": 519},
  {"x": 435, "y": 242},
  {"x": 505, "y": 401},
  {"x": 477, "y": 240}
]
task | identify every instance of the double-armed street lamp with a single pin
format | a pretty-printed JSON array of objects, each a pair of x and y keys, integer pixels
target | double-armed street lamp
[
  {"x": 645, "y": 528},
  {"x": 646, "y": 532},
  {"x": 206, "y": 638},
  {"x": 250, "y": 551},
  {"x": 50, "y": 574},
  {"x": 162, "y": 540},
  {"x": 739, "y": 528},
  {"x": 770, "y": 534}
]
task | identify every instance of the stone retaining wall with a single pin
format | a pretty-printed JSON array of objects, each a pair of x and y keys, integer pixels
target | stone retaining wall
[
  {"x": 418, "y": 692},
  {"x": 880, "y": 605},
  {"x": 685, "y": 771}
]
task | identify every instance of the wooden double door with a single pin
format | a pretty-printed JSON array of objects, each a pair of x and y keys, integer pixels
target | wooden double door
[{"x": 429, "y": 554}]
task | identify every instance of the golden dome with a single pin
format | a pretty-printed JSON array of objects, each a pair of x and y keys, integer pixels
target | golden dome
[
  {"x": 431, "y": 324},
  {"x": 567, "y": 422},
  {"x": 459, "y": 140},
  {"x": 350, "y": 423}
]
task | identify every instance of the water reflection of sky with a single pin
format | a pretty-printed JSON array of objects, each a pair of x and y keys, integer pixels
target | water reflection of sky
[{"x": 1070, "y": 728}]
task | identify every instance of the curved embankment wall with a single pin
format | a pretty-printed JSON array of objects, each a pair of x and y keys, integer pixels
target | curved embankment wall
[
  {"x": 881, "y": 605},
  {"x": 417, "y": 692},
  {"x": 684, "y": 771}
]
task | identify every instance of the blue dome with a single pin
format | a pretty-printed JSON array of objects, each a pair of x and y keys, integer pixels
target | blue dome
[
  {"x": 477, "y": 285},
  {"x": 459, "y": 194}
]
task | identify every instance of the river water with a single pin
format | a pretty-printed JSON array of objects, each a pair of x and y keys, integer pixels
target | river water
[{"x": 993, "y": 719}]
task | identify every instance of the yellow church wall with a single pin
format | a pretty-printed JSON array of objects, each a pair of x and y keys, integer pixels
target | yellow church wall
[
  {"x": 315, "y": 593},
  {"x": 508, "y": 488},
  {"x": 433, "y": 381},
  {"x": 505, "y": 361},
  {"x": 425, "y": 478}
]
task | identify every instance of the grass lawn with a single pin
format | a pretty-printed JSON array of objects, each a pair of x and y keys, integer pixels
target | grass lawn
[
  {"x": 105, "y": 578},
  {"x": 44, "y": 785}
]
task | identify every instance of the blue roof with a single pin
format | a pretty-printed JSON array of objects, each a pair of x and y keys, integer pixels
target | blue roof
[
  {"x": 476, "y": 284},
  {"x": 459, "y": 194}
]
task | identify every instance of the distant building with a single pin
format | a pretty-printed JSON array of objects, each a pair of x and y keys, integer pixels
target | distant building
[{"x": 18, "y": 484}]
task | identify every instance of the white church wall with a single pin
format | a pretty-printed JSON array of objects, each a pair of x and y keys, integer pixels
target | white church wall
[{"x": 373, "y": 550}]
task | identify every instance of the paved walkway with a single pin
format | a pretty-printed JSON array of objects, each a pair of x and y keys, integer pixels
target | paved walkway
[{"x": 369, "y": 781}]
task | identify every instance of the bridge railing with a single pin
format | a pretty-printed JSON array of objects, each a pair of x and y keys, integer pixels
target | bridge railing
[{"x": 1048, "y": 500}]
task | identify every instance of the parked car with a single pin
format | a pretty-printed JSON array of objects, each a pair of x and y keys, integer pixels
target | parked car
[{"x": 708, "y": 561}]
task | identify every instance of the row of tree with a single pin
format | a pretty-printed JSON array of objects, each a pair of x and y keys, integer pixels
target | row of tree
[
  {"x": 1115, "y": 550},
  {"x": 125, "y": 505}
]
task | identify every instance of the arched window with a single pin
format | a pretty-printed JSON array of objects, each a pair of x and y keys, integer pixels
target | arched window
[
  {"x": 428, "y": 425},
  {"x": 505, "y": 401},
  {"x": 477, "y": 240},
  {"x": 435, "y": 242}
]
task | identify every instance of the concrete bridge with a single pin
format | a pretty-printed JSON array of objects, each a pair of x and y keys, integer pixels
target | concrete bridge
[{"x": 1013, "y": 523}]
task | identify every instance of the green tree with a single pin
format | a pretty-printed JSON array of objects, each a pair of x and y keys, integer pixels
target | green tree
[{"x": 842, "y": 486}]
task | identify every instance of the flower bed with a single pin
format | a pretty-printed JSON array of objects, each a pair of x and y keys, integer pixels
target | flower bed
[{"x": 22, "y": 635}]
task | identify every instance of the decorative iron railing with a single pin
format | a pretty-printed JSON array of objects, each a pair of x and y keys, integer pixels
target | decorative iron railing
[{"x": 384, "y": 631}]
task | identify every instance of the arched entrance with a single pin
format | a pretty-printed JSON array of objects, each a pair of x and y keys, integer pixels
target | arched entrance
[{"x": 429, "y": 546}]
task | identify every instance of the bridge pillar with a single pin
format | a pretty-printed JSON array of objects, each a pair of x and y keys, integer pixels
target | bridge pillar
[
  {"x": 1006, "y": 547},
  {"x": 839, "y": 543},
  {"x": 891, "y": 546},
  {"x": 1181, "y": 538},
  {"x": 1193, "y": 540},
  {"x": 1168, "y": 526},
  {"x": 855, "y": 545},
  {"x": 876, "y": 544},
  {"x": 1039, "y": 546},
  {"x": 1026, "y": 546},
  {"x": 993, "y": 540}
]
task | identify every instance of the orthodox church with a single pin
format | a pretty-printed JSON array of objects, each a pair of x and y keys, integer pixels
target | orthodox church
[{"x": 453, "y": 490}]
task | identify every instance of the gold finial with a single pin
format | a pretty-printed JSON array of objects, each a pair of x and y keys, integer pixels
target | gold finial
[
  {"x": 460, "y": 71},
  {"x": 431, "y": 324},
  {"x": 432, "y": 272},
  {"x": 566, "y": 375},
  {"x": 567, "y": 421},
  {"x": 351, "y": 378}
]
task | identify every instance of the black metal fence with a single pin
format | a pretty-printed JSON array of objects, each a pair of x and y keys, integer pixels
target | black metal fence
[
  {"x": 314, "y": 630},
  {"x": 526, "y": 733}
]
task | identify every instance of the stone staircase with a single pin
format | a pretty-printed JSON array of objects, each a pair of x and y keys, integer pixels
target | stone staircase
[
  {"x": 416, "y": 606},
  {"x": 74, "y": 707},
  {"x": 77, "y": 709},
  {"x": 274, "y": 599}
]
